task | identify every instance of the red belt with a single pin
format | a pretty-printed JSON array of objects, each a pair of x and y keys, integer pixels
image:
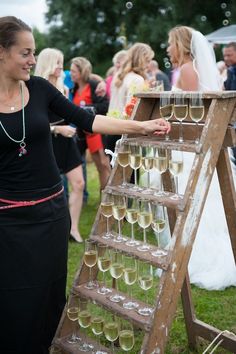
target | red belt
[{"x": 18, "y": 204}]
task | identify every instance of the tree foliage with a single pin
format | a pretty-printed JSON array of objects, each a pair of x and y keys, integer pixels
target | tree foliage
[{"x": 99, "y": 28}]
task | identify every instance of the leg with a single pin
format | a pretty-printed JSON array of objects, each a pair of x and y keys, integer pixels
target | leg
[
  {"x": 101, "y": 161},
  {"x": 75, "y": 178}
]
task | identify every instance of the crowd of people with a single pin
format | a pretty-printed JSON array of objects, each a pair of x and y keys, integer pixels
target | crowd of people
[{"x": 38, "y": 130}]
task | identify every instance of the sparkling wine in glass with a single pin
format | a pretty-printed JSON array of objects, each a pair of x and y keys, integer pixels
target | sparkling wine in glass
[
  {"x": 90, "y": 259},
  {"x": 84, "y": 322},
  {"x": 166, "y": 108},
  {"x": 144, "y": 221},
  {"x": 72, "y": 312},
  {"x": 97, "y": 325},
  {"x": 111, "y": 332},
  {"x": 123, "y": 160},
  {"x": 116, "y": 271},
  {"x": 196, "y": 110},
  {"x": 126, "y": 336},
  {"x": 160, "y": 164},
  {"x": 135, "y": 162},
  {"x": 145, "y": 281},
  {"x": 176, "y": 164},
  {"x": 104, "y": 263},
  {"x": 106, "y": 210},
  {"x": 118, "y": 211},
  {"x": 130, "y": 277},
  {"x": 147, "y": 164},
  {"x": 180, "y": 111},
  {"x": 132, "y": 217},
  {"x": 158, "y": 225}
]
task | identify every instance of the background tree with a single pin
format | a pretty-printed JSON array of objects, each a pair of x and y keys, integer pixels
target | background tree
[{"x": 99, "y": 28}]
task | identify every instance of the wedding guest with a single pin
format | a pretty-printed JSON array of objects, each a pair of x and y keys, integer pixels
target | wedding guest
[
  {"x": 34, "y": 218},
  {"x": 49, "y": 66},
  {"x": 155, "y": 73},
  {"x": 84, "y": 95}
]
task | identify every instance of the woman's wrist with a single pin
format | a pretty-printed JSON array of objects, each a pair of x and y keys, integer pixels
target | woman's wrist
[{"x": 53, "y": 130}]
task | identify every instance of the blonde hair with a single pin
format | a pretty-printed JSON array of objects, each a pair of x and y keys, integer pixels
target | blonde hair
[
  {"x": 47, "y": 62},
  {"x": 137, "y": 59},
  {"x": 181, "y": 37},
  {"x": 119, "y": 56},
  {"x": 84, "y": 66}
]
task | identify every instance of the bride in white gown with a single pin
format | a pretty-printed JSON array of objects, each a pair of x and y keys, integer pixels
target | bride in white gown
[{"x": 212, "y": 265}]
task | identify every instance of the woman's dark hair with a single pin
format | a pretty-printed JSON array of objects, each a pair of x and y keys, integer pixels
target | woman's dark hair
[{"x": 9, "y": 27}]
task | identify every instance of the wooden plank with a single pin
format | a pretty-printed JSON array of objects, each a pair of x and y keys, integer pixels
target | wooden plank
[
  {"x": 206, "y": 331},
  {"x": 186, "y": 227},
  {"x": 138, "y": 320},
  {"x": 160, "y": 261},
  {"x": 228, "y": 193},
  {"x": 206, "y": 95}
]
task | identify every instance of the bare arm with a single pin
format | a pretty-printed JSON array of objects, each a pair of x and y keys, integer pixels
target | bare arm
[{"x": 113, "y": 126}]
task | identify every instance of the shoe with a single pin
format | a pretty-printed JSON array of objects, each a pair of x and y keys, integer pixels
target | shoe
[{"x": 73, "y": 238}]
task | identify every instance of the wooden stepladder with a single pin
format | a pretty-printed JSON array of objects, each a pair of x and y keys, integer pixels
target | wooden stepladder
[{"x": 184, "y": 213}]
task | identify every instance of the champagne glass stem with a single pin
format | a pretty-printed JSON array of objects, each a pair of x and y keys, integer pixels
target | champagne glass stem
[
  {"x": 181, "y": 132},
  {"x": 119, "y": 229},
  {"x": 148, "y": 179},
  {"x": 144, "y": 236},
  {"x": 90, "y": 275},
  {"x": 124, "y": 177},
  {"x": 158, "y": 239},
  {"x": 176, "y": 184},
  {"x": 132, "y": 232},
  {"x": 112, "y": 348},
  {"x": 167, "y": 137},
  {"x": 108, "y": 231},
  {"x": 197, "y": 138},
  {"x": 135, "y": 178}
]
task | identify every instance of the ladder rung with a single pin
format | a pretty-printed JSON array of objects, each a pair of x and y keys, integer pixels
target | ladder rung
[
  {"x": 161, "y": 261},
  {"x": 138, "y": 320},
  {"x": 169, "y": 199}
]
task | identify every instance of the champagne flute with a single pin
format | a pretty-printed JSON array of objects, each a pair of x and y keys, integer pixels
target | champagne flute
[
  {"x": 111, "y": 331},
  {"x": 106, "y": 210},
  {"x": 176, "y": 167},
  {"x": 160, "y": 164},
  {"x": 97, "y": 325},
  {"x": 116, "y": 271},
  {"x": 158, "y": 225},
  {"x": 196, "y": 110},
  {"x": 180, "y": 111},
  {"x": 145, "y": 280},
  {"x": 126, "y": 336},
  {"x": 104, "y": 263},
  {"x": 135, "y": 162},
  {"x": 72, "y": 312},
  {"x": 144, "y": 221},
  {"x": 123, "y": 160},
  {"x": 132, "y": 217},
  {"x": 147, "y": 164},
  {"x": 130, "y": 277},
  {"x": 166, "y": 108},
  {"x": 84, "y": 322},
  {"x": 90, "y": 259},
  {"x": 118, "y": 210}
]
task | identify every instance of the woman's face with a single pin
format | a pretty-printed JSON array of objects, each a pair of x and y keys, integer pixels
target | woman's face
[
  {"x": 172, "y": 51},
  {"x": 18, "y": 60},
  {"x": 59, "y": 68},
  {"x": 74, "y": 73}
]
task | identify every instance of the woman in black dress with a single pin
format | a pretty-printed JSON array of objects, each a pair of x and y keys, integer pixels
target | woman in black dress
[{"x": 34, "y": 218}]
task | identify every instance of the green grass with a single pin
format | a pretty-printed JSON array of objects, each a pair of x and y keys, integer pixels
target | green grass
[{"x": 216, "y": 308}]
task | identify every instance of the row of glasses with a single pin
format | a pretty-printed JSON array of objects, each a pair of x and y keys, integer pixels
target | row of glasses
[
  {"x": 79, "y": 310},
  {"x": 179, "y": 106},
  {"x": 149, "y": 157}
]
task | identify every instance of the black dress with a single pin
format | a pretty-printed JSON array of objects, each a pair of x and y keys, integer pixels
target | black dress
[{"x": 33, "y": 240}]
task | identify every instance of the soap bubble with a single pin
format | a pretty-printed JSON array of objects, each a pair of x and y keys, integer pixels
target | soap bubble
[
  {"x": 203, "y": 18},
  {"x": 225, "y": 22},
  {"x": 223, "y": 5},
  {"x": 129, "y": 5},
  {"x": 227, "y": 13}
]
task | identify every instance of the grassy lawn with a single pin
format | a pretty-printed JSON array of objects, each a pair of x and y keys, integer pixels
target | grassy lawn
[{"x": 217, "y": 308}]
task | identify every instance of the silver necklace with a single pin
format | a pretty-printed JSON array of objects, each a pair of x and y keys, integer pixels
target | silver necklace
[
  {"x": 12, "y": 107},
  {"x": 22, "y": 150}
]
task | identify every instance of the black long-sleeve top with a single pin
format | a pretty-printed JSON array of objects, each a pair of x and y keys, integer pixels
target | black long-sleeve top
[{"x": 37, "y": 169}]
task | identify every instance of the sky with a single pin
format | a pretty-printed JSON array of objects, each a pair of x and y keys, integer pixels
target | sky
[{"x": 30, "y": 11}]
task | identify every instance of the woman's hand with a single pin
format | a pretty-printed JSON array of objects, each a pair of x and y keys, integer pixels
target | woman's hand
[
  {"x": 65, "y": 130},
  {"x": 156, "y": 127}
]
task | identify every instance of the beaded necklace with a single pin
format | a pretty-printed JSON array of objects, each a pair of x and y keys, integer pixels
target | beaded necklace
[{"x": 22, "y": 150}]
